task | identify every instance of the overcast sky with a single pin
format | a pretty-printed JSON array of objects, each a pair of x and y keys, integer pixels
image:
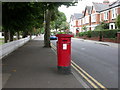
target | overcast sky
[{"x": 79, "y": 8}]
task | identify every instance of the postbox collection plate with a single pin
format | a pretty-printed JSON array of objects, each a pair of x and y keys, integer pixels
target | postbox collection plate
[{"x": 64, "y": 46}]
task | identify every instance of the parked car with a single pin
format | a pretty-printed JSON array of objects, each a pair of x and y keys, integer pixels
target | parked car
[{"x": 52, "y": 37}]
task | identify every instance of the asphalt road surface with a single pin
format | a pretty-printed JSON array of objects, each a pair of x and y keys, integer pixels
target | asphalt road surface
[{"x": 100, "y": 61}]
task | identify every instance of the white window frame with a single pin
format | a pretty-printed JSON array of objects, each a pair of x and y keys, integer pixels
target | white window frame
[
  {"x": 83, "y": 21},
  {"x": 106, "y": 15},
  {"x": 100, "y": 17},
  {"x": 79, "y": 22},
  {"x": 87, "y": 19},
  {"x": 93, "y": 18},
  {"x": 74, "y": 22},
  {"x": 113, "y": 13}
]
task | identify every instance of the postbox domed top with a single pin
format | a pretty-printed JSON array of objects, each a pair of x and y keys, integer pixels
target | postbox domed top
[{"x": 64, "y": 35}]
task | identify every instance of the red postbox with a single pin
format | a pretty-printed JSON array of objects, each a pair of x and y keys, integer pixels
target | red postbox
[{"x": 64, "y": 53}]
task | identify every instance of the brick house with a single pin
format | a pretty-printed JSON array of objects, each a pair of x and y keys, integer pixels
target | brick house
[
  {"x": 75, "y": 23},
  {"x": 100, "y": 12},
  {"x": 86, "y": 20},
  {"x": 97, "y": 15},
  {"x": 108, "y": 15}
]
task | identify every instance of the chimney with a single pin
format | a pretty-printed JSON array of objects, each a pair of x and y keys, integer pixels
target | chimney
[{"x": 106, "y": 1}]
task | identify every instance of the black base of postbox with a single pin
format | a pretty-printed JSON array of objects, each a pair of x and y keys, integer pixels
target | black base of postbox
[{"x": 64, "y": 70}]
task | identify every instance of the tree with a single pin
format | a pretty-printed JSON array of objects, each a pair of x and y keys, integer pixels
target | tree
[
  {"x": 64, "y": 26},
  {"x": 24, "y": 16},
  {"x": 102, "y": 26},
  {"x": 84, "y": 28},
  {"x": 21, "y": 16},
  {"x": 50, "y": 8},
  {"x": 60, "y": 18},
  {"x": 118, "y": 21}
]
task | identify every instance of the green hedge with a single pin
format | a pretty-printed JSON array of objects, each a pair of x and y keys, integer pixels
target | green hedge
[
  {"x": 61, "y": 32},
  {"x": 110, "y": 33},
  {"x": 82, "y": 33},
  {"x": 101, "y": 33}
]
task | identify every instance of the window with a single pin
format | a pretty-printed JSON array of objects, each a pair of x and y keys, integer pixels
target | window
[
  {"x": 87, "y": 19},
  {"x": 100, "y": 17},
  {"x": 79, "y": 22},
  {"x": 74, "y": 22},
  {"x": 83, "y": 20},
  {"x": 106, "y": 15},
  {"x": 113, "y": 13},
  {"x": 93, "y": 18}
]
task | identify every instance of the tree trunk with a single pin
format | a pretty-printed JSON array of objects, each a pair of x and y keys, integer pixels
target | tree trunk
[
  {"x": 30, "y": 36},
  {"x": 5, "y": 36},
  {"x": 47, "y": 29},
  {"x": 25, "y": 34},
  {"x": 100, "y": 36},
  {"x": 10, "y": 36},
  {"x": 18, "y": 35}
]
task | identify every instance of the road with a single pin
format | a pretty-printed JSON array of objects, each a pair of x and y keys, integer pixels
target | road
[{"x": 100, "y": 61}]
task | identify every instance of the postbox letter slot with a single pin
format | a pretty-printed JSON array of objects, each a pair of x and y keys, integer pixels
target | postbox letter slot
[{"x": 64, "y": 40}]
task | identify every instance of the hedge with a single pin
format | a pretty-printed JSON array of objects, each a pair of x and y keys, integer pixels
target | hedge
[
  {"x": 110, "y": 33},
  {"x": 101, "y": 33}
]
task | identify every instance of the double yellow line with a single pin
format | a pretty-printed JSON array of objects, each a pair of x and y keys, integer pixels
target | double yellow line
[{"x": 85, "y": 75}]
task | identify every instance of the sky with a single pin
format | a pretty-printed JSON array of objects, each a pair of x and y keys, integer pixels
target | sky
[{"x": 79, "y": 8}]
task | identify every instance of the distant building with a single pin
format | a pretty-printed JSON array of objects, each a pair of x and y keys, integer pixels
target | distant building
[
  {"x": 93, "y": 15},
  {"x": 74, "y": 23},
  {"x": 108, "y": 15}
]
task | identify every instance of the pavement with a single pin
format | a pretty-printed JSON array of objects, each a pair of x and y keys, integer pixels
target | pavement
[
  {"x": 100, "y": 42},
  {"x": 32, "y": 66}
]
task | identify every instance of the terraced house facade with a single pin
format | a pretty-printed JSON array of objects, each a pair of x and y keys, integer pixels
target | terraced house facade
[{"x": 92, "y": 16}]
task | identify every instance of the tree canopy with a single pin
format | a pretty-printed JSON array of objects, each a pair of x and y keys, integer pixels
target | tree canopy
[
  {"x": 21, "y": 16},
  {"x": 60, "y": 18},
  {"x": 25, "y": 16}
]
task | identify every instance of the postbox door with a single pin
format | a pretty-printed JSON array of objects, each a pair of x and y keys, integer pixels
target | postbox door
[{"x": 64, "y": 51}]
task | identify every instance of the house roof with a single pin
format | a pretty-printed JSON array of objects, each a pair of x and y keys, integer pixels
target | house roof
[
  {"x": 114, "y": 4},
  {"x": 89, "y": 8},
  {"x": 78, "y": 15},
  {"x": 100, "y": 6},
  {"x": 105, "y": 6}
]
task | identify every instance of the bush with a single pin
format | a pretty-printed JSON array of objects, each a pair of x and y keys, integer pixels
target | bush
[
  {"x": 95, "y": 33},
  {"x": 101, "y": 33},
  {"x": 105, "y": 33},
  {"x": 61, "y": 32},
  {"x": 82, "y": 34},
  {"x": 102, "y": 26},
  {"x": 89, "y": 34},
  {"x": 110, "y": 33}
]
